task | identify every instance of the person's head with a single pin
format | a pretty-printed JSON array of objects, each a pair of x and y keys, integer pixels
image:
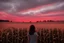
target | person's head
[{"x": 32, "y": 30}]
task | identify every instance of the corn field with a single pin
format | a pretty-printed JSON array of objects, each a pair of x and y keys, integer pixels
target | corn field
[{"x": 19, "y": 35}]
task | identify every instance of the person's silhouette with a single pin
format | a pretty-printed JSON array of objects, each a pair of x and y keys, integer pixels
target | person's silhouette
[{"x": 32, "y": 34}]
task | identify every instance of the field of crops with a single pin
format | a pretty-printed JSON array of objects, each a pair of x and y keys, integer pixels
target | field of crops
[
  {"x": 19, "y": 35},
  {"x": 50, "y": 32}
]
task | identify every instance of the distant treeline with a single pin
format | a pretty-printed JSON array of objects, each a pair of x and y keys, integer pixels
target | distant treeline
[
  {"x": 4, "y": 20},
  {"x": 51, "y": 21},
  {"x": 36, "y": 21}
]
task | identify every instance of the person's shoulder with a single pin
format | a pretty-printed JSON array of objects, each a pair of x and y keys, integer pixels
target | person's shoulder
[
  {"x": 27, "y": 34},
  {"x": 36, "y": 33}
]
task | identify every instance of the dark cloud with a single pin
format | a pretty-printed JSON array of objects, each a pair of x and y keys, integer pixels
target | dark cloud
[
  {"x": 5, "y": 0},
  {"x": 12, "y": 6}
]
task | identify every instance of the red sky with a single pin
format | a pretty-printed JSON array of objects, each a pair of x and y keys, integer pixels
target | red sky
[
  {"x": 44, "y": 12},
  {"x": 14, "y": 18}
]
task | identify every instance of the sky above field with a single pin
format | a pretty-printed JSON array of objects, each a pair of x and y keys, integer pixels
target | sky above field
[{"x": 31, "y": 10}]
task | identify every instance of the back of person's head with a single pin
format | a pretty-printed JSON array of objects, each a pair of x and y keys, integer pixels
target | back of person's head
[{"x": 32, "y": 30}]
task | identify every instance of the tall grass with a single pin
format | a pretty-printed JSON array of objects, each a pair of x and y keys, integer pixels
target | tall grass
[{"x": 19, "y": 35}]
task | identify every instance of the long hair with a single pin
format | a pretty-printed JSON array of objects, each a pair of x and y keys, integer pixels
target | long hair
[{"x": 31, "y": 30}]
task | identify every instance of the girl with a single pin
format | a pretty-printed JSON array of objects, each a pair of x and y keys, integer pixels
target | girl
[{"x": 32, "y": 34}]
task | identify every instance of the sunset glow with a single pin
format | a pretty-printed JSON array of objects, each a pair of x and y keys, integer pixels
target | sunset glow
[{"x": 22, "y": 10}]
